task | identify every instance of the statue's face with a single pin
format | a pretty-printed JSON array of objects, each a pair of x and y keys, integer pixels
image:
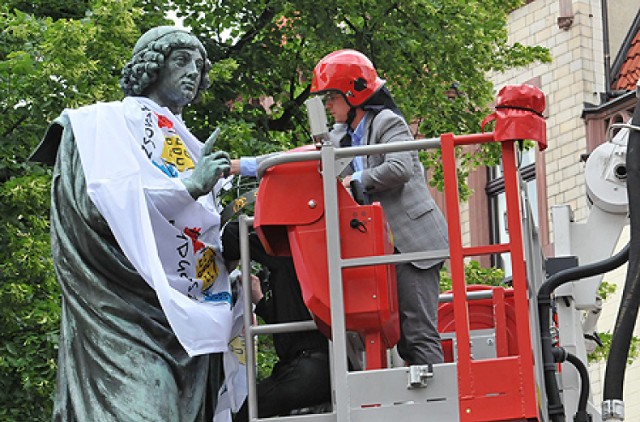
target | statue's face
[{"x": 179, "y": 79}]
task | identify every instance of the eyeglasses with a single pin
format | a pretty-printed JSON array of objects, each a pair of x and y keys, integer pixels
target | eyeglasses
[{"x": 331, "y": 96}]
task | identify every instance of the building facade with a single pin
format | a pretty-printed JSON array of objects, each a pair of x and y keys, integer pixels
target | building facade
[{"x": 588, "y": 87}]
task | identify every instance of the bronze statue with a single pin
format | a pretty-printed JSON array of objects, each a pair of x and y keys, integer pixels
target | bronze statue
[{"x": 131, "y": 209}]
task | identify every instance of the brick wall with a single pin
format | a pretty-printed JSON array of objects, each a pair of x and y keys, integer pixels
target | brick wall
[{"x": 575, "y": 76}]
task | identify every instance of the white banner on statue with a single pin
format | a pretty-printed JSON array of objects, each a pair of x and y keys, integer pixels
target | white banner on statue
[{"x": 134, "y": 154}]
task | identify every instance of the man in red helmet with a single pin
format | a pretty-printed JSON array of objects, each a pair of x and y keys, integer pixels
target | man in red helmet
[{"x": 365, "y": 114}]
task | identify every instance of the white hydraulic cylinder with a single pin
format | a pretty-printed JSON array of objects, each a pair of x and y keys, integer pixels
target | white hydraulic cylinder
[{"x": 590, "y": 241}]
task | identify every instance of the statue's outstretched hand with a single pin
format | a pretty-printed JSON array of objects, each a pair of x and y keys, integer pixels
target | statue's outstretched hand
[{"x": 210, "y": 167}]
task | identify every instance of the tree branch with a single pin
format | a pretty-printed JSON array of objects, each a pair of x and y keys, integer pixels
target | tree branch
[
  {"x": 14, "y": 126},
  {"x": 263, "y": 20},
  {"x": 283, "y": 122}
]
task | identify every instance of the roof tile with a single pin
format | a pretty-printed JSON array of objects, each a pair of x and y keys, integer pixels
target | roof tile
[{"x": 630, "y": 69}]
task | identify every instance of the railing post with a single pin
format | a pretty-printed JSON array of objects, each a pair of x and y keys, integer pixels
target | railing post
[
  {"x": 460, "y": 309},
  {"x": 336, "y": 293},
  {"x": 245, "y": 267}
]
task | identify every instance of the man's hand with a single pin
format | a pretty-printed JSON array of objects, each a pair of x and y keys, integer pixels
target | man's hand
[
  {"x": 256, "y": 287},
  {"x": 346, "y": 182},
  {"x": 210, "y": 167},
  {"x": 235, "y": 166},
  {"x": 256, "y": 290}
]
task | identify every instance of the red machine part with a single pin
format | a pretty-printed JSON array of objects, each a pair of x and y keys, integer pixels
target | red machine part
[
  {"x": 496, "y": 312},
  {"x": 289, "y": 219},
  {"x": 504, "y": 388},
  {"x": 518, "y": 115}
]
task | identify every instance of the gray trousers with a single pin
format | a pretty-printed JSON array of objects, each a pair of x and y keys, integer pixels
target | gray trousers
[{"x": 418, "y": 291}]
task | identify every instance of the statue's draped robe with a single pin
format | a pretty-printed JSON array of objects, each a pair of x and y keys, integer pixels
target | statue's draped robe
[{"x": 119, "y": 359}]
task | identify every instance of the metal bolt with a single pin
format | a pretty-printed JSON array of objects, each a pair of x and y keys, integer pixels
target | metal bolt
[{"x": 312, "y": 204}]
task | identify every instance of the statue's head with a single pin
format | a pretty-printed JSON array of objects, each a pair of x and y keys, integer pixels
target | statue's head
[{"x": 150, "y": 53}]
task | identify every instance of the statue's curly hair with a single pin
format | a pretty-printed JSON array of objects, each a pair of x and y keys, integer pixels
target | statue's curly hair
[{"x": 145, "y": 64}]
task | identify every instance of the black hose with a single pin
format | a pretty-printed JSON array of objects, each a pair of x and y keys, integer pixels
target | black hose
[
  {"x": 584, "y": 381},
  {"x": 554, "y": 402},
  {"x": 628, "y": 312},
  {"x": 561, "y": 355}
]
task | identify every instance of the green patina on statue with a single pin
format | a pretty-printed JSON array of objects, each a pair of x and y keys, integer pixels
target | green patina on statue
[{"x": 119, "y": 359}]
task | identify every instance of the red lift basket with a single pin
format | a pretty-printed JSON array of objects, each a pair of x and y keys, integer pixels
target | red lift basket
[{"x": 290, "y": 221}]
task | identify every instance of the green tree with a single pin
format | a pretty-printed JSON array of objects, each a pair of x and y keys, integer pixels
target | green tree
[
  {"x": 474, "y": 273},
  {"x": 424, "y": 49},
  {"x": 69, "y": 53},
  {"x": 435, "y": 56},
  {"x": 58, "y": 55},
  {"x": 601, "y": 353}
]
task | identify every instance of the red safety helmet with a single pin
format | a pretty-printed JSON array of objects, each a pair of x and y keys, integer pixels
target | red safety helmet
[{"x": 349, "y": 72}]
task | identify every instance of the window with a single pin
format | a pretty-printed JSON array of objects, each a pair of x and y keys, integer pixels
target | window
[{"x": 497, "y": 203}]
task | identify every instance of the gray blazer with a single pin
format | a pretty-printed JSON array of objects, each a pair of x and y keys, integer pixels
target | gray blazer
[{"x": 397, "y": 180}]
